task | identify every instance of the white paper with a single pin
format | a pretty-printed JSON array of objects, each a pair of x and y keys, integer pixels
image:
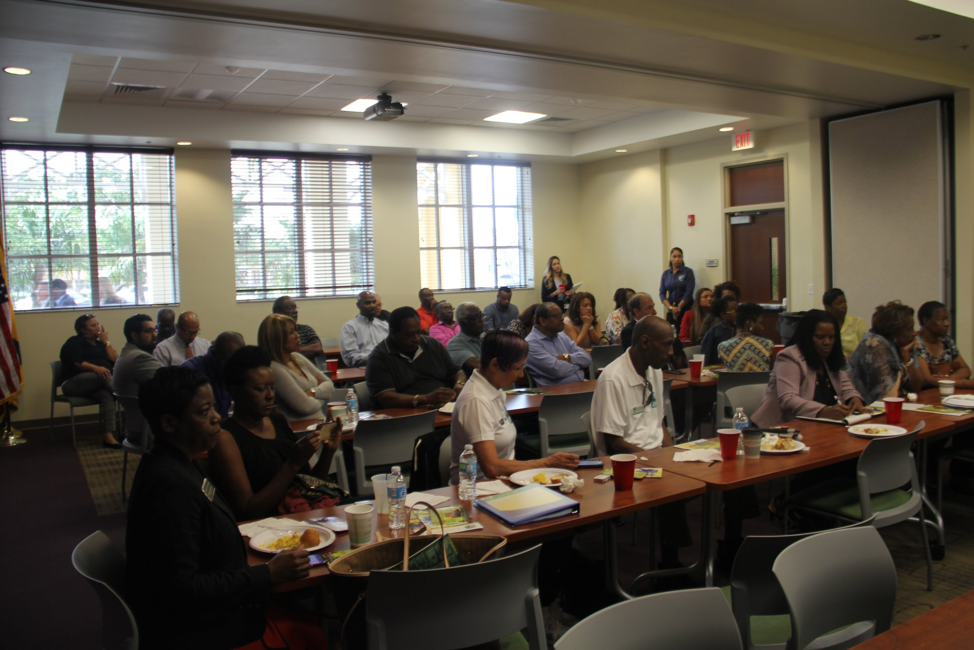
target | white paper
[
  {"x": 448, "y": 407},
  {"x": 576, "y": 286},
  {"x": 701, "y": 455},
  {"x": 491, "y": 487},
  {"x": 276, "y": 523},
  {"x": 432, "y": 499}
]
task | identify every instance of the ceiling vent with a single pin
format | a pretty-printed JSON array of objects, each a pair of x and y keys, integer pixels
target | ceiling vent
[
  {"x": 138, "y": 90},
  {"x": 556, "y": 120}
]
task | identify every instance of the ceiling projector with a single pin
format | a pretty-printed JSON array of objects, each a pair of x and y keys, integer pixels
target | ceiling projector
[{"x": 384, "y": 110}]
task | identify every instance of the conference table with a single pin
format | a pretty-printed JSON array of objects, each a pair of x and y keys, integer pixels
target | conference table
[{"x": 942, "y": 628}]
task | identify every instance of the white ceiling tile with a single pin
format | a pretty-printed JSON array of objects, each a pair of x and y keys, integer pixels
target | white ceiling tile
[
  {"x": 585, "y": 113},
  {"x": 341, "y": 91},
  {"x": 547, "y": 108},
  {"x": 364, "y": 79},
  {"x": 585, "y": 125},
  {"x": 175, "y": 103},
  {"x": 305, "y": 111},
  {"x": 152, "y": 64},
  {"x": 215, "y": 83},
  {"x": 100, "y": 74},
  {"x": 221, "y": 70},
  {"x": 326, "y": 104},
  {"x": 524, "y": 97},
  {"x": 445, "y": 120},
  {"x": 412, "y": 118},
  {"x": 261, "y": 99},
  {"x": 84, "y": 89},
  {"x": 615, "y": 117},
  {"x": 279, "y": 87},
  {"x": 450, "y": 101},
  {"x": 646, "y": 109},
  {"x": 347, "y": 114},
  {"x": 141, "y": 101},
  {"x": 473, "y": 92},
  {"x": 409, "y": 96},
  {"x": 498, "y": 105},
  {"x": 469, "y": 114},
  {"x": 612, "y": 106},
  {"x": 286, "y": 75},
  {"x": 251, "y": 109},
  {"x": 94, "y": 59},
  {"x": 572, "y": 101},
  {"x": 427, "y": 111},
  {"x": 150, "y": 77},
  {"x": 412, "y": 85},
  {"x": 85, "y": 99}
]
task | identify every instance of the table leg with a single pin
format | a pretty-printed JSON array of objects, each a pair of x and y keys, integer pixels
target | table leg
[
  {"x": 612, "y": 560},
  {"x": 937, "y": 521},
  {"x": 688, "y": 413},
  {"x": 707, "y": 537}
]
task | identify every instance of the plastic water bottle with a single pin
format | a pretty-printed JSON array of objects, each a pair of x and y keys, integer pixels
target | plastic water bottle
[
  {"x": 351, "y": 406},
  {"x": 468, "y": 474},
  {"x": 740, "y": 423},
  {"x": 397, "y": 499}
]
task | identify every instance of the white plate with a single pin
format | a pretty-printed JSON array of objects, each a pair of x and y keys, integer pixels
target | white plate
[
  {"x": 799, "y": 445},
  {"x": 265, "y": 537},
  {"x": 526, "y": 476},
  {"x": 959, "y": 401},
  {"x": 888, "y": 430}
]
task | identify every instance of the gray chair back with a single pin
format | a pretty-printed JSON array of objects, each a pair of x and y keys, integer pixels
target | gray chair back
[
  {"x": 55, "y": 378},
  {"x": 668, "y": 412},
  {"x": 810, "y": 570},
  {"x": 598, "y": 446},
  {"x": 137, "y": 430},
  {"x": 603, "y": 355},
  {"x": 504, "y": 595},
  {"x": 560, "y": 415},
  {"x": 691, "y": 350},
  {"x": 887, "y": 464},
  {"x": 103, "y": 566},
  {"x": 446, "y": 455},
  {"x": 387, "y": 442},
  {"x": 747, "y": 397},
  {"x": 364, "y": 399},
  {"x": 665, "y": 620},
  {"x": 729, "y": 380}
]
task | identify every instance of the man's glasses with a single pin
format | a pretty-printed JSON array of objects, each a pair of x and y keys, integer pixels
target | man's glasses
[{"x": 649, "y": 395}]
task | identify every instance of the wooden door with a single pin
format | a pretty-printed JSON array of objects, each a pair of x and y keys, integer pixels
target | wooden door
[{"x": 758, "y": 262}]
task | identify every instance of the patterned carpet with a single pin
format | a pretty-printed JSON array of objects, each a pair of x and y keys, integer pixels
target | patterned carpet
[{"x": 103, "y": 471}]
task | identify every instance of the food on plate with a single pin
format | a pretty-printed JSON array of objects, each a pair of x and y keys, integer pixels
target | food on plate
[
  {"x": 778, "y": 443},
  {"x": 310, "y": 538},
  {"x": 873, "y": 431},
  {"x": 544, "y": 479},
  {"x": 284, "y": 543}
]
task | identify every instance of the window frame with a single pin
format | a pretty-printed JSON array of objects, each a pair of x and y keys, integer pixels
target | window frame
[
  {"x": 91, "y": 208},
  {"x": 525, "y": 218},
  {"x": 302, "y": 291}
]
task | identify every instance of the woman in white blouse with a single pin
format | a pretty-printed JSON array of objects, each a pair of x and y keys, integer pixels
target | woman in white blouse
[
  {"x": 480, "y": 416},
  {"x": 302, "y": 391}
]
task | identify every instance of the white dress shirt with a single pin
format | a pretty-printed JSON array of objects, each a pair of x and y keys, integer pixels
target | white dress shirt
[{"x": 359, "y": 337}]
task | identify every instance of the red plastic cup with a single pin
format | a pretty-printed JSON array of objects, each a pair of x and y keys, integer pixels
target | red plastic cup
[
  {"x": 894, "y": 409},
  {"x": 728, "y": 443},
  {"x": 623, "y": 471},
  {"x": 695, "y": 368},
  {"x": 332, "y": 365},
  {"x": 778, "y": 349}
]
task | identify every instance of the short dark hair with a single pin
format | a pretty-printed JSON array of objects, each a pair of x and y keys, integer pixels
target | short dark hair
[
  {"x": 543, "y": 310},
  {"x": 165, "y": 311},
  {"x": 928, "y": 309},
  {"x": 399, "y": 316},
  {"x": 242, "y": 361},
  {"x": 748, "y": 311},
  {"x": 422, "y": 290},
  {"x": 636, "y": 302},
  {"x": 831, "y": 296},
  {"x": 507, "y": 347},
  {"x": 278, "y": 307},
  {"x": 58, "y": 283},
  {"x": 169, "y": 392},
  {"x": 80, "y": 321},
  {"x": 504, "y": 290},
  {"x": 804, "y": 339},
  {"x": 721, "y": 304},
  {"x": 133, "y": 325},
  {"x": 892, "y": 318},
  {"x": 731, "y": 286}
]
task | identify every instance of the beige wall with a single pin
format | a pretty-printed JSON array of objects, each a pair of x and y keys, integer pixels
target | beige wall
[{"x": 206, "y": 263}]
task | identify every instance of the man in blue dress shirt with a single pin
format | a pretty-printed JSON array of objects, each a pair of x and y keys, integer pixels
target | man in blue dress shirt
[{"x": 554, "y": 358}]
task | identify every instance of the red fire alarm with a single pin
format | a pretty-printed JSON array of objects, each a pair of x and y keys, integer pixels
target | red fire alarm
[{"x": 691, "y": 220}]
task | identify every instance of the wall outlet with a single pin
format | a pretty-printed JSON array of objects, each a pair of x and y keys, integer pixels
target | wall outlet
[
  {"x": 711, "y": 263},
  {"x": 811, "y": 289}
]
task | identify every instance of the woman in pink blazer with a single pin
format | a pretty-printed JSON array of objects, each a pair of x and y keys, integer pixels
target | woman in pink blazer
[{"x": 809, "y": 377}]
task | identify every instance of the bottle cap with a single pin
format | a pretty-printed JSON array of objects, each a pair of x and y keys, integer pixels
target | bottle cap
[
  {"x": 467, "y": 446},
  {"x": 395, "y": 468}
]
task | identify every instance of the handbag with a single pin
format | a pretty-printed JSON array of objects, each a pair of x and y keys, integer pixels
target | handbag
[
  {"x": 428, "y": 552},
  {"x": 309, "y": 493}
]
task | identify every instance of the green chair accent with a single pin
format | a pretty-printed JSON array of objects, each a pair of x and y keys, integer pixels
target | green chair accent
[
  {"x": 884, "y": 468},
  {"x": 72, "y": 402}
]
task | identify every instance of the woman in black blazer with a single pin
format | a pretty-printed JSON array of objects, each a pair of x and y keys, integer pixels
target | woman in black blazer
[{"x": 187, "y": 578}]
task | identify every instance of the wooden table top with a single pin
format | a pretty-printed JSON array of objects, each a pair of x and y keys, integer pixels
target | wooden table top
[
  {"x": 332, "y": 351},
  {"x": 345, "y": 375},
  {"x": 688, "y": 381},
  {"x": 599, "y": 501},
  {"x": 942, "y": 628}
]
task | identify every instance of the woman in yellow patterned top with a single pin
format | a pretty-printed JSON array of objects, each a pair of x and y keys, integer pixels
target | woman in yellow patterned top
[
  {"x": 851, "y": 328},
  {"x": 747, "y": 351}
]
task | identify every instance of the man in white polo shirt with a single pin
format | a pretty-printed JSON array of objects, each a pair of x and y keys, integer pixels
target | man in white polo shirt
[{"x": 627, "y": 415}]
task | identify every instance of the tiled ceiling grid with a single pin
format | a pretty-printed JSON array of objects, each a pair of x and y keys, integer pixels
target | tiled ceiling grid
[{"x": 95, "y": 78}]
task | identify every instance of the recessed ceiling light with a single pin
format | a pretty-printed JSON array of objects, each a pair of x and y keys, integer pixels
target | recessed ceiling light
[
  {"x": 959, "y": 7},
  {"x": 343, "y": 149},
  {"x": 621, "y": 150},
  {"x": 19, "y": 119},
  {"x": 184, "y": 143},
  {"x": 20, "y": 72},
  {"x": 515, "y": 117},
  {"x": 473, "y": 155},
  {"x": 359, "y": 105},
  {"x": 725, "y": 129}
]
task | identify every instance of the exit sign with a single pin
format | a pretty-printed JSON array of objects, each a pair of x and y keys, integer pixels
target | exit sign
[{"x": 743, "y": 141}]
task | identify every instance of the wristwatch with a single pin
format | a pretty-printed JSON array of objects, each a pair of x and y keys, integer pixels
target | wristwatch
[
  {"x": 415, "y": 401},
  {"x": 314, "y": 392}
]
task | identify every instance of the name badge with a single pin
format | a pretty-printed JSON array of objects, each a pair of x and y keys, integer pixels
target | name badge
[
  {"x": 208, "y": 489},
  {"x": 680, "y": 277},
  {"x": 638, "y": 410}
]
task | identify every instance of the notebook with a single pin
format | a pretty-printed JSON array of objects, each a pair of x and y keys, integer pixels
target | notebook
[{"x": 527, "y": 505}]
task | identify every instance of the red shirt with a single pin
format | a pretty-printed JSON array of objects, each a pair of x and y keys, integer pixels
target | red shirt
[{"x": 427, "y": 319}]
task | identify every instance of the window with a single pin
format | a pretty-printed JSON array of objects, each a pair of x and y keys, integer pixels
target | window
[
  {"x": 88, "y": 228},
  {"x": 302, "y": 225},
  {"x": 475, "y": 227}
]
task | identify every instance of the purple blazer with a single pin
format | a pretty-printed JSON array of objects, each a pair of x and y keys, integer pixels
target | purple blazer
[{"x": 791, "y": 390}]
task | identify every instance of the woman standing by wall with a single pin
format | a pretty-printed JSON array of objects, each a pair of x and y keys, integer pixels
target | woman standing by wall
[{"x": 676, "y": 288}]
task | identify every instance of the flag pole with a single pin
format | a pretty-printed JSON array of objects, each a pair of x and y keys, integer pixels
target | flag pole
[{"x": 11, "y": 437}]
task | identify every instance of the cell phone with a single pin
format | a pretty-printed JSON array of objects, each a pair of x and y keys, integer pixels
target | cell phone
[
  {"x": 588, "y": 464},
  {"x": 316, "y": 559}
]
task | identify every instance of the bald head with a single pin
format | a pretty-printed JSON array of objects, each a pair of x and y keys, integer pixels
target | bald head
[
  {"x": 187, "y": 326},
  {"x": 225, "y": 344},
  {"x": 652, "y": 343}
]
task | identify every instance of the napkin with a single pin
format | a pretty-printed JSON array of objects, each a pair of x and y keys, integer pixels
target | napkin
[
  {"x": 432, "y": 499},
  {"x": 491, "y": 487},
  {"x": 702, "y": 455},
  {"x": 277, "y": 523}
]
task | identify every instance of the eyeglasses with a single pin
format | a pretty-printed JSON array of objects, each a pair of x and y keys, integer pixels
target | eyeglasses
[
  {"x": 148, "y": 330},
  {"x": 474, "y": 318},
  {"x": 649, "y": 395}
]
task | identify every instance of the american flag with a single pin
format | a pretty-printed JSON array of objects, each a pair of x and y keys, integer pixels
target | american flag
[{"x": 11, "y": 371}]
